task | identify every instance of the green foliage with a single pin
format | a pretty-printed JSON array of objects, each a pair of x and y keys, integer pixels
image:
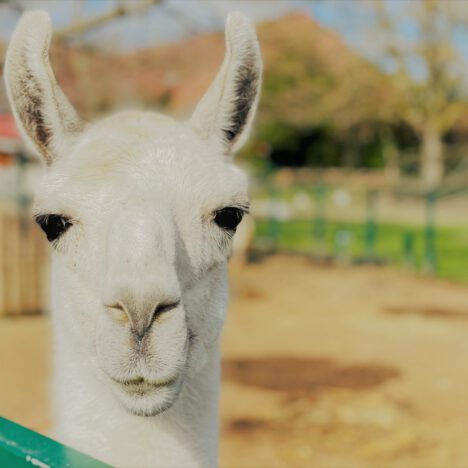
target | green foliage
[
  {"x": 280, "y": 135},
  {"x": 320, "y": 146}
]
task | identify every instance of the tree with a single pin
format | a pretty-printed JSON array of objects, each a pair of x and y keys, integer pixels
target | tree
[{"x": 428, "y": 69}]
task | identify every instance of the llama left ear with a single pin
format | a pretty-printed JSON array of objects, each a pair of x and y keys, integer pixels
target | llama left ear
[
  {"x": 46, "y": 118},
  {"x": 226, "y": 111}
]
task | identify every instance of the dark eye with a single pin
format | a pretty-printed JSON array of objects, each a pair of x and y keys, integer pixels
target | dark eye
[
  {"x": 229, "y": 218},
  {"x": 53, "y": 225}
]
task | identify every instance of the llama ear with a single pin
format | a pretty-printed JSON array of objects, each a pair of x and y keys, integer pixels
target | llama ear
[
  {"x": 227, "y": 109},
  {"x": 43, "y": 113}
]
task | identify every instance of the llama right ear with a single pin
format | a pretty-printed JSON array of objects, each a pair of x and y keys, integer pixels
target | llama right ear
[
  {"x": 42, "y": 112},
  {"x": 226, "y": 111}
]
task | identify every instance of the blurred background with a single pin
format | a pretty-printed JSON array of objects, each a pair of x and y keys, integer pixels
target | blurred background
[{"x": 345, "y": 342}]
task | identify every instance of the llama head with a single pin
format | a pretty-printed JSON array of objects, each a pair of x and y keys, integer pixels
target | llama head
[{"x": 140, "y": 211}]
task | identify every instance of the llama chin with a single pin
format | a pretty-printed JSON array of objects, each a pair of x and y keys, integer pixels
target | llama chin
[{"x": 140, "y": 211}]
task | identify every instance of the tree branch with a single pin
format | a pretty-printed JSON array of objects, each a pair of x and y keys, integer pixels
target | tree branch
[{"x": 80, "y": 27}]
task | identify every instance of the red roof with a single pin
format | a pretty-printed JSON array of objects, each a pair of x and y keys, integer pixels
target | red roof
[{"x": 7, "y": 127}]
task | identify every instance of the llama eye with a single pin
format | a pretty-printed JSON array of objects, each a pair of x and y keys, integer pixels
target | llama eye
[
  {"x": 53, "y": 225},
  {"x": 229, "y": 218}
]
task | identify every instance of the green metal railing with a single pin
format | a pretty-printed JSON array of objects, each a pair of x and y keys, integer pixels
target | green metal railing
[
  {"x": 22, "y": 448},
  {"x": 320, "y": 224}
]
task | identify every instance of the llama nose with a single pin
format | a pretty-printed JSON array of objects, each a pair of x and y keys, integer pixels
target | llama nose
[{"x": 141, "y": 317}]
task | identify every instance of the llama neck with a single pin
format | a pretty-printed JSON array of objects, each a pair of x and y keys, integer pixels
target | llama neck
[{"x": 90, "y": 419}]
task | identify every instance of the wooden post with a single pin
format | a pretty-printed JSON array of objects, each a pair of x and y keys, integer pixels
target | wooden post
[
  {"x": 12, "y": 263},
  {"x": 24, "y": 266},
  {"x": 2, "y": 266}
]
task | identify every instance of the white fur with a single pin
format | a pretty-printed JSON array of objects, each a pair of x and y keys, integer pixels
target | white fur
[{"x": 141, "y": 191}]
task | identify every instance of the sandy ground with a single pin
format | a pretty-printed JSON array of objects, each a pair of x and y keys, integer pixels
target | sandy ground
[{"x": 323, "y": 367}]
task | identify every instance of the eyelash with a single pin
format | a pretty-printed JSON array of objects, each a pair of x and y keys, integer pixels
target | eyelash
[{"x": 53, "y": 225}]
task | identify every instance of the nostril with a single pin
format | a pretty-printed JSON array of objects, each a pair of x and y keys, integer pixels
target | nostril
[
  {"x": 118, "y": 312},
  {"x": 165, "y": 307},
  {"x": 162, "y": 309}
]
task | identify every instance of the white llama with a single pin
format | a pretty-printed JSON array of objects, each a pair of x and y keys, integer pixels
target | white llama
[{"x": 140, "y": 211}]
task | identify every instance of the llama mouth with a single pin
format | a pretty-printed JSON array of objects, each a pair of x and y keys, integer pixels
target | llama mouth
[
  {"x": 142, "y": 396},
  {"x": 142, "y": 386},
  {"x": 146, "y": 398}
]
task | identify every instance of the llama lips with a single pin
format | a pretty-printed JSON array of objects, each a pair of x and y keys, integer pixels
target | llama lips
[
  {"x": 148, "y": 398},
  {"x": 141, "y": 386}
]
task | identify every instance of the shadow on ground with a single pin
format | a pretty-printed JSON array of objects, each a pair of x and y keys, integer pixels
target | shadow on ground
[
  {"x": 436, "y": 312},
  {"x": 305, "y": 377}
]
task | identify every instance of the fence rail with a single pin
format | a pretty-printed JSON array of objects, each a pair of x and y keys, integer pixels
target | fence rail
[{"x": 370, "y": 222}]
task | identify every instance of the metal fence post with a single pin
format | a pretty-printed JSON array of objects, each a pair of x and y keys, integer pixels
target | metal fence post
[
  {"x": 370, "y": 232},
  {"x": 408, "y": 249},
  {"x": 430, "y": 236},
  {"x": 273, "y": 225},
  {"x": 318, "y": 222}
]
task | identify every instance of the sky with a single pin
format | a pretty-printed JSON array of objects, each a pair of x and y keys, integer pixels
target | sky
[
  {"x": 177, "y": 19},
  {"x": 169, "y": 22}
]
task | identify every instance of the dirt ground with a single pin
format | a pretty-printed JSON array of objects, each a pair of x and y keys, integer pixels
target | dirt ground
[{"x": 323, "y": 367}]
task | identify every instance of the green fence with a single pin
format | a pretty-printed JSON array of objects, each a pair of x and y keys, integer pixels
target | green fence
[
  {"x": 23, "y": 448},
  {"x": 326, "y": 231}
]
